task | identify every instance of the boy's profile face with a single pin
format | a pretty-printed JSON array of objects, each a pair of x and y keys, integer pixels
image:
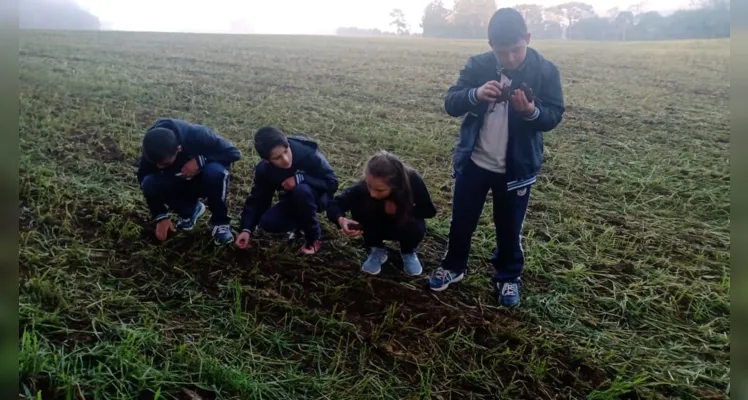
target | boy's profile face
[
  {"x": 168, "y": 160},
  {"x": 281, "y": 157},
  {"x": 511, "y": 56}
]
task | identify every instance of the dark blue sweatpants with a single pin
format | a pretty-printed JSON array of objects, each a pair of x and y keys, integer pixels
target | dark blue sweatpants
[
  {"x": 181, "y": 195},
  {"x": 509, "y": 209},
  {"x": 296, "y": 211}
]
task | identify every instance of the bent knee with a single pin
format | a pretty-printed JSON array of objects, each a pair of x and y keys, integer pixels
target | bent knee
[
  {"x": 303, "y": 191},
  {"x": 153, "y": 185},
  {"x": 416, "y": 227},
  {"x": 215, "y": 173}
]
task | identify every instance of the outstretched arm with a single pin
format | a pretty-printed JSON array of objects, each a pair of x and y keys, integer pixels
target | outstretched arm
[{"x": 257, "y": 203}]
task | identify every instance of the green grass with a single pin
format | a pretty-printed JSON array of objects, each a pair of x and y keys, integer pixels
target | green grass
[{"x": 627, "y": 284}]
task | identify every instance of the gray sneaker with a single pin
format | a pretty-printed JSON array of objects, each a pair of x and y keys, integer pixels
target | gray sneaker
[
  {"x": 411, "y": 264},
  {"x": 373, "y": 264}
]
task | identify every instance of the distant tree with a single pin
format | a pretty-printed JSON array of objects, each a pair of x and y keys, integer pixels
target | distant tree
[
  {"x": 537, "y": 24},
  {"x": 612, "y": 12},
  {"x": 551, "y": 30},
  {"x": 594, "y": 28},
  {"x": 637, "y": 8},
  {"x": 55, "y": 14},
  {"x": 648, "y": 26},
  {"x": 533, "y": 14},
  {"x": 705, "y": 23},
  {"x": 398, "y": 20},
  {"x": 470, "y": 17},
  {"x": 434, "y": 22},
  {"x": 568, "y": 14},
  {"x": 623, "y": 23}
]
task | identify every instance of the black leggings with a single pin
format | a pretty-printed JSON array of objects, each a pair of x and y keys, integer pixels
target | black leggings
[{"x": 409, "y": 236}]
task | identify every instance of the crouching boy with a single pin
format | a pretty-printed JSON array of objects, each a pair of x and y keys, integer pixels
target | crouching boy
[
  {"x": 296, "y": 169},
  {"x": 181, "y": 163}
]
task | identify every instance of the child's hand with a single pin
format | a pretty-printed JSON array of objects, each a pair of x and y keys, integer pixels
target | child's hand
[
  {"x": 190, "y": 169},
  {"x": 489, "y": 92},
  {"x": 344, "y": 224},
  {"x": 163, "y": 228},
  {"x": 390, "y": 207},
  {"x": 242, "y": 241},
  {"x": 521, "y": 104},
  {"x": 289, "y": 183}
]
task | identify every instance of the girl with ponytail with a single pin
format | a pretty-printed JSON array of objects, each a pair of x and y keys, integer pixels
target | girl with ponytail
[{"x": 391, "y": 202}]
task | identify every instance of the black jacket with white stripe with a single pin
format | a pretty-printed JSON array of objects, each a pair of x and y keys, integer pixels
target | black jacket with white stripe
[{"x": 308, "y": 165}]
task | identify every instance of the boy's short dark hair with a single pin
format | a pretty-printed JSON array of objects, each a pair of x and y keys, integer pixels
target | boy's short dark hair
[
  {"x": 506, "y": 27},
  {"x": 159, "y": 144},
  {"x": 267, "y": 138}
]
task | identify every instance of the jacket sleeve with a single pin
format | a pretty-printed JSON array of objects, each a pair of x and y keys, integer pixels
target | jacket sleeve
[
  {"x": 461, "y": 97},
  {"x": 257, "y": 203},
  {"x": 342, "y": 203},
  {"x": 145, "y": 168},
  {"x": 209, "y": 146},
  {"x": 319, "y": 175},
  {"x": 424, "y": 206},
  {"x": 549, "y": 108},
  {"x": 158, "y": 210}
]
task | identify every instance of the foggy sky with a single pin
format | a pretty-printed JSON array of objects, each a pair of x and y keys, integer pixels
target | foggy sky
[{"x": 288, "y": 16}]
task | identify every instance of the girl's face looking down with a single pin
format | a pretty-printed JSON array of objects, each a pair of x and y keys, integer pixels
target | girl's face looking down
[{"x": 379, "y": 188}]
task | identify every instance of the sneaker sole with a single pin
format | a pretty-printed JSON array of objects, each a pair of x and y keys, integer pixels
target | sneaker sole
[
  {"x": 455, "y": 280},
  {"x": 199, "y": 214},
  {"x": 384, "y": 260}
]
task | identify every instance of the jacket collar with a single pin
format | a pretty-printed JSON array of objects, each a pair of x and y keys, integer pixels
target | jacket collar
[{"x": 522, "y": 67}]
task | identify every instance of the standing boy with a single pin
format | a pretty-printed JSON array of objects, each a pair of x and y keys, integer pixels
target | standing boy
[
  {"x": 500, "y": 148},
  {"x": 296, "y": 169},
  {"x": 182, "y": 162}
]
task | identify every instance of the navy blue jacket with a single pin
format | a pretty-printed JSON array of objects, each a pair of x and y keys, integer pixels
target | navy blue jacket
[
  {"x": 197, "y": 141},
  {"x": 524, "y": 154},
  {"x": 308, "y": 165}
]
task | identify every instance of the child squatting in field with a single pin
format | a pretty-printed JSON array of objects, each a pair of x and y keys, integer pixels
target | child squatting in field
[
  {"x": 500, "y": 148},
  {"x": 182, "y": 162},
  {"x": 305, "y": 181},
  {"x": 391, "y": 202}
]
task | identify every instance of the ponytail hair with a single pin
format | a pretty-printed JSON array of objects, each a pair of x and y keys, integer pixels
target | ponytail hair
[{"x": 386, "y": 166}]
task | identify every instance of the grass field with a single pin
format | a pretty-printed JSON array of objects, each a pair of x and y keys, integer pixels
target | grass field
[{"x": 626, "y": 291}]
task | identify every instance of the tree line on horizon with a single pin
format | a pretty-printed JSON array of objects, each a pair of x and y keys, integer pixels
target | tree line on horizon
[
  {"x": 469, "y": 19},
  {"x": 572, "y": 20}
]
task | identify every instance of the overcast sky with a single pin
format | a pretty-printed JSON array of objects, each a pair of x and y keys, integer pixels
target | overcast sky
[{"x": 286, "y": 16}]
